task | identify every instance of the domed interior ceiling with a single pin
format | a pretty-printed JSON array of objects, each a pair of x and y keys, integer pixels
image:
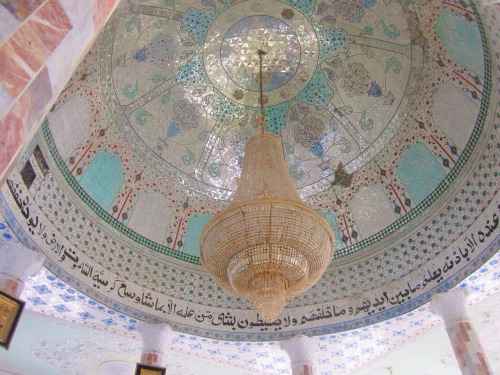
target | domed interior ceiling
[{"x": 386, "y": 114}]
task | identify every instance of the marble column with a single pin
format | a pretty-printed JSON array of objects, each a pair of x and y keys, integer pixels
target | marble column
[
  {"x": 468, "y": 350},
  {"x": 17, "y": 263},
  {"x": 155, "y": 338},
  {"x": 301, "y": 350}
]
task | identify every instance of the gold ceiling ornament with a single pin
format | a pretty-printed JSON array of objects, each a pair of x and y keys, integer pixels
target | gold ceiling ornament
[{"x": 266, "y": 246}]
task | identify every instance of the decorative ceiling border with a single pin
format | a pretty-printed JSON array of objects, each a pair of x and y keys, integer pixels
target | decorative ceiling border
[{"x": 389, "y": 300}]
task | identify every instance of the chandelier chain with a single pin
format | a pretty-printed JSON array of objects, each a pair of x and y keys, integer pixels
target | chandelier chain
[{"x": 261, "y": 119}]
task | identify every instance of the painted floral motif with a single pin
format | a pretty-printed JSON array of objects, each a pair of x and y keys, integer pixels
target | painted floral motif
[
  {"x": 238, "y": 143},
  {"x": 309, "y": 132},
  {"x": 350, "y": 10},
  {"x": 161, "y": 52},
  {"x": 369, "y": 3},
  {"x": 357, "y": 79},
  {"x": 185, "y": 115},
  {"x": 141, "y": 54},
  {"x": 374, "y": 90},
  {"x": 317, "y": 149},
  {"x": 172, "y": 129}
]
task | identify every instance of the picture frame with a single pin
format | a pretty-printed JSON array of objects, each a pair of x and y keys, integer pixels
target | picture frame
[
  {"x": 11, "y": 309},
  {"x": 149, "y": 370}
]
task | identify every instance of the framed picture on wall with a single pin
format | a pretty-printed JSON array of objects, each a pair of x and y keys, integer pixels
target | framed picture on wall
[
  {"x": 11, "y": 309},
  {"x": 149, "y": 370}
]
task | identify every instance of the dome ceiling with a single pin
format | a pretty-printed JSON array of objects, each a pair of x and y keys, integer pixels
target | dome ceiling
[{"x": 385, "y": 111}]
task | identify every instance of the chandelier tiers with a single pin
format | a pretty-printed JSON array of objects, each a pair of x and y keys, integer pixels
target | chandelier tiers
[{"x": 266, "y": 245}]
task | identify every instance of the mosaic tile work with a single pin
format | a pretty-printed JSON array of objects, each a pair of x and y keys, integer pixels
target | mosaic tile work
[
  {"x": 419, "y": 182},
  {"x": 341, "y": 353},
  {"x": 103, "y": 179},
  {"x": 396, "y": 189},
  {"x": 463, "y": 45},
  {"x": 395, "y": 247},
  {"x": 317, "y": 78}
]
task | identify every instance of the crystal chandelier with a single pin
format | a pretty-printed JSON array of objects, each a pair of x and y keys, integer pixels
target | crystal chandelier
[{"x": 266, "y": 246}]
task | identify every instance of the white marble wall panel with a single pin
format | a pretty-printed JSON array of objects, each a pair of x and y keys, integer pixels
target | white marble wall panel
[
  {"x": 70, "y": 125},
  {"x": 151, "y": 216},
  {"x": 371, "y": 210},
  {"x": 452, "y": 107}
]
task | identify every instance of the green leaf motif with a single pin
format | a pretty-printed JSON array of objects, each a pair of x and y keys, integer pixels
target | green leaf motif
[
  {"x": 160, "y": 23},
  {"x": 214, "y": 169},
  {"x": 345, "y": 145},
  {"x": 130, "y": 91},
  {"x": 220, "y": 144},
  {"x": 368, "y": 52},
  {"x": 141, "y": 116},
  {"x": 203, "y": 135},
  {"x": 392, "y": 31},
  {"x": 190, "y": 158},
  {"x": 170, "y": 3},
  {"x": 347, "y": 109},
  {"x": 296, "y": 172},
  {"x": 393, "y": 62},
  {"x": 368, "y": 30},
  {"x": 289, "y": 149},
  {"x": 365, "y": 124},
  {"x": 157, "y": 78},
  {"x": 133, "y": 22},
  {"x": 165, "y": 98}
]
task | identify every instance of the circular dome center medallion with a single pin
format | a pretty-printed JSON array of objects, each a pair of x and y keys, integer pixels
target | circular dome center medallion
[
  {"x": 231, "y": 58},
  {"x": 240, "y": 58},
  {"x": 334, "y": 95}
]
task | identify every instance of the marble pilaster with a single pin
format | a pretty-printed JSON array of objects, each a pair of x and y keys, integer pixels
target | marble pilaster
[
  {"x": 155, "y": 338},
  {"x": 470, "y": 354},
  {"x": 301, "y": 350},
  {"x": 17, "y": 263}
]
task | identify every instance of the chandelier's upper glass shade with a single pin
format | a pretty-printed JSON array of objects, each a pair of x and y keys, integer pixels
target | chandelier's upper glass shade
[{"x": 267, "y": 245}]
